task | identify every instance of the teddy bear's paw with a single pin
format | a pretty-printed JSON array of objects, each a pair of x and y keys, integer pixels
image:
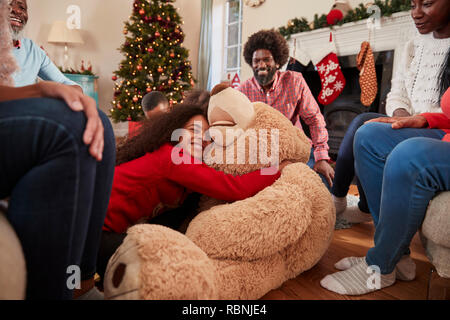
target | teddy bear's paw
[{"x": 157, "y": 263}]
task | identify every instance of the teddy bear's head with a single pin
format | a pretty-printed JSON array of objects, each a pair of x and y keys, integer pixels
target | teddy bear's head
[{"x": 248, "y": 136}]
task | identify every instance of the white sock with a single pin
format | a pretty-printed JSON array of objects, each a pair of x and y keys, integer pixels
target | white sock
[
  {"x": 348, "y": 262},
  {"x": 340, "y": 203},
  {"x": 405, "y": 269},
  {"x": 354, "y": 215},
  {"x": 359, "y": 279}
]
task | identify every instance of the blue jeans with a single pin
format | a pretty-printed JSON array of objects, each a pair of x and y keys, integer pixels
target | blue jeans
[
  {"x": 345, "y": 163},
  {"x": 58, "y": 193},
  {"x": 311, "y": 163},
  {"x": 400, "y": 171}
]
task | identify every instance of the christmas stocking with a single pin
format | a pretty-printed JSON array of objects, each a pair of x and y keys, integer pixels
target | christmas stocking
[
  {"x": 333, "y": 81},
  {"x": 367, "y": 75}
]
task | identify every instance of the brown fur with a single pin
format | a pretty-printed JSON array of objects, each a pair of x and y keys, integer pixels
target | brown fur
[{"x": 244, "y": 249}]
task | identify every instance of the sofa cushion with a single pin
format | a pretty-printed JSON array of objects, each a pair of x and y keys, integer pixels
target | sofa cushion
[{"x": 436, "y": 225}]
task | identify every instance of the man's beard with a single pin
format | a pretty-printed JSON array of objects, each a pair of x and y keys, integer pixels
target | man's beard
[
  {"x": 16, "y": 34},
  {"x": 264, "y": 80}
]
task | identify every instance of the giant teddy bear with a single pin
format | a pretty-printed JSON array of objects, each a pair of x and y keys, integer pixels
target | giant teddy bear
[{"x": 239, "y": 250}]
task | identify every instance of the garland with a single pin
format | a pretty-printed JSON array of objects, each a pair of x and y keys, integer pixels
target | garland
[{"x": 387, "y": 8}]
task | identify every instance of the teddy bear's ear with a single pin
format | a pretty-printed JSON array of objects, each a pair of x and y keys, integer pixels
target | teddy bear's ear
[{"x": 219, "y": 88}]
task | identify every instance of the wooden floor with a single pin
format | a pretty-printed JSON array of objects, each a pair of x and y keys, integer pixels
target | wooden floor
[{"x": 354, "y": 242}]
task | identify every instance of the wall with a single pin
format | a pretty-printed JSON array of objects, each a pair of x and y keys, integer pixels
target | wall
[
  {"x": 276, "y": 13},
  {"x": 102, "y": 23}
]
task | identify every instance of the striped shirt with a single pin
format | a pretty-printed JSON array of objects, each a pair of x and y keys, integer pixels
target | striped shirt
[{"x": 291, "y": 96}]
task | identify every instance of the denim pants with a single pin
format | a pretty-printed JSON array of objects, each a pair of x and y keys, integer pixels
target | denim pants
[
  {"x": 58, "y": 192},
  {"x": 345, "y": 163},
  {"x": 400, "y": 172},
  {"x": 311, "y": 163}
]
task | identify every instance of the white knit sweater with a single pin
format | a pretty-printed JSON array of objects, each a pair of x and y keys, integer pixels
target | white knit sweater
[{"x": 415, "y": 85}]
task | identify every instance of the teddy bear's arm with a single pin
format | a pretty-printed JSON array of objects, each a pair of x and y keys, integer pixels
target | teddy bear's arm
[{"x": 261, "y": 225}]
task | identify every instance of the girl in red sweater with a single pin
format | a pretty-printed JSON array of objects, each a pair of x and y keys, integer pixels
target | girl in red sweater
[{"x": 148, "y": 180}]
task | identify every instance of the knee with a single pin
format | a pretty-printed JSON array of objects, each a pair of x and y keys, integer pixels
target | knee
[
  {"x": 408, "y": 157},
  {"x": 364, "y": 135}
]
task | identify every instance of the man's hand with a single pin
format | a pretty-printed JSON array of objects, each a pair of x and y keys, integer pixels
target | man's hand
[
  {"x": 401, "y": 122},
  {"x": 77, "y": 101},
  {"x": 401, "y": 113},
  {"x": 324, "y": 168}
]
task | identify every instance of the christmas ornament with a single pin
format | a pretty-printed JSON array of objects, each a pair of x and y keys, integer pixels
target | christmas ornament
[
  {"x": 139, "y": 67},
  {"x": 157, "y": 34},
  {"x": 331, "y": 77},
  {"x": 149, "y": 90},
  {"x": 114, "y": 78},
  {"x": 160, "y": 70},
  {"x": 338, "y": 11},
  {"x": 172, "y": 55},
  {"x": 368, "y": 75},
  {"x": 142, "y": 12},
  {"x": 135, "y": 99},
  {"x": 151, "y": 50}
]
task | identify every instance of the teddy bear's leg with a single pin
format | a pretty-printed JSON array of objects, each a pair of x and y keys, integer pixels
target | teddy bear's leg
[
  {"x": 158, "y": 263},
  {"x": 249, "y": 280},
  {"x": 12, "y": 263},
  {"x": 312, "y": 245}
]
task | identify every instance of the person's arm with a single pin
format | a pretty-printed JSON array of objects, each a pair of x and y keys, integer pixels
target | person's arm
[
  {"x": 310, "y": 112},
  {"x": 48, "y": 71},
  {"x": 436, "y": 120},
  {"x": 398, "y": 103},
  {"x": 216, "y": 184}
]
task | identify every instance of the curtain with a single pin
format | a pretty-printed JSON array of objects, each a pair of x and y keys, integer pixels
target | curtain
[{"x": 204, "y": 56}]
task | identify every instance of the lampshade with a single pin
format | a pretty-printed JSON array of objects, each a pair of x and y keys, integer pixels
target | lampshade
[{"x": 59, "y": 33}]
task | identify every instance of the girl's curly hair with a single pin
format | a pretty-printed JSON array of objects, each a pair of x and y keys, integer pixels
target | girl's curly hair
[
  {"x": 269, "y": 40},
  {"x": 157, "y": 131}
]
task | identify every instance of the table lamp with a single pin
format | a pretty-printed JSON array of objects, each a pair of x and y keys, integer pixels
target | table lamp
[{"x": 60, "y": 33}]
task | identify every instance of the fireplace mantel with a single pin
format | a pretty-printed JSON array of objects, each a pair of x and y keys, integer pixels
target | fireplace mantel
[{"x": 394, "y": 32}]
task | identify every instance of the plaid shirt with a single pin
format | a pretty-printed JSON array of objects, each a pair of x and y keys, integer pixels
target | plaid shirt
[{"x": 291, "y": 96}]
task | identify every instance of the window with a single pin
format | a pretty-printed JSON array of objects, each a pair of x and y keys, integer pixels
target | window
[{"x": 233, "y": 37}]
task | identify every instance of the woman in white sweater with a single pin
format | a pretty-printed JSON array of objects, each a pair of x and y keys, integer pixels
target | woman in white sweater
[{"x": 415, "y": 90}]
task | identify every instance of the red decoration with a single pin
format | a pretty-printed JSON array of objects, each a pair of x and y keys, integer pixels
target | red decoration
[
  {"x": 151, "y": 50},
  {"x": 158, "y": 18},
  {"x": 139, "y": 67},
  {"x": 236, "y": 82},
  {"x": 133, "y": 128},
  {"x": 142, "y": 12},
  {"x": 114, "y": 78},
  {"x": 334, "y": 17},
  {"x": 160, "y": 70},
  {"x": 172, "y": 55},
  {"x": 149, "y": 90},
  {"x": 157, "y": 34},
  {"x": 135, "y": 99}
]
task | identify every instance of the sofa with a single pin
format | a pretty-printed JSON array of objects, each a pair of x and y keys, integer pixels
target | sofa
[{"x": 435, "y": 236}]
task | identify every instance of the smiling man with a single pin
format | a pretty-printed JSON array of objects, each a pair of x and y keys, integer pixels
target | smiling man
[
  {"x": 32, "y": 60},
  {"x": 266, "y": 52}
]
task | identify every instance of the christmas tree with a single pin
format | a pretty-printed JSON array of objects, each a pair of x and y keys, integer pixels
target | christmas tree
[{"x": 154, "y": 59}]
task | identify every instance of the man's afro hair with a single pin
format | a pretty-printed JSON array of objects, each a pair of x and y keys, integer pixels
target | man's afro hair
[{"x": 269, "y": 40}]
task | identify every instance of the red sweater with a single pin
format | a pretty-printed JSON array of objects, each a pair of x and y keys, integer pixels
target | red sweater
[
  {"x": 439, "y": 120},
  {"x": 145, "y": 187}
]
